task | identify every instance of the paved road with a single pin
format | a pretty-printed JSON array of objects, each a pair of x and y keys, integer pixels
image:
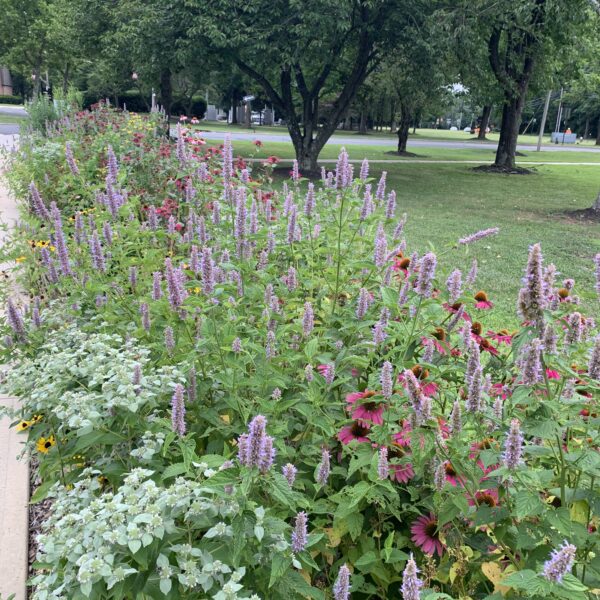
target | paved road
[
  {"x": 14, "y": 110},
  {"x": 379, "y": 141}
]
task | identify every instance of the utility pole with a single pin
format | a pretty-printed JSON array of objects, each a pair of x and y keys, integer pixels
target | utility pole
[
  {"x": 559, "y": 114},
  {"x": 543, "y": 123}
]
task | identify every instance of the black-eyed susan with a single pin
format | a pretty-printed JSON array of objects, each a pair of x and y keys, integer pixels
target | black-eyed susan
[
  {"x": 24, "y": 425},
  {"x": 44, "y": 444}
]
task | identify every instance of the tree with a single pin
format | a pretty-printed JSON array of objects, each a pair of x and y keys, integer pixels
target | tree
[
  {"x": 301, "y": 53},
  {"x": 521, "y": 39}
]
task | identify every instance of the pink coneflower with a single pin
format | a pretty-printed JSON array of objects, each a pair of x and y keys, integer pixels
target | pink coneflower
[
  {"x": 426, "y": 388},
  {"x": 552, "y": 374},
  {"x": 400, "y": 472},
  {"x": 452, "y": 476},
  {"x": 426, "y": 536},
  {"x": 358, "y": 430},
  {"x": 482, "y": 301},
  {"x": 365, "y": 411},
  {"x": 502, "y": 336},
  {"x": 485, "y": 497},
  {"x": 183, "y": 118}
]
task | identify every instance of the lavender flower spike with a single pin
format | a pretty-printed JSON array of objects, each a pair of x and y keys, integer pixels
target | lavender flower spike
[
  {"x": 387, "y": 385},
  {"x": 380, "y": 252},
  {"x": 15, "y": 320},
  {"x": 289, "y": 471},
  {"x": 479, "y": 235},
  {"x": 531, "y": 297},
  {"x": 38, "y": 204},
  {"x": 383, "y": 467},
  {"x": 255, "y": 449},
  {"x": 324, "y": 467},
  {"x": 308, "y": 319},
  {"x": 472, "y": 274},
  {"x": 560, "y": 562},
  {"x": 71, "y": 160},
  {"x": 454, "y": 285},
  {"x": 513, "y": 446},
  {"x": 594, "y": 364},
  {"x": 341, "y": 587},
  {"x": 426, "y": 274},
  {"x": 178, "y": 410},
  {"x": 60, "y": 241},
  {"x": 300, "y": 533},
  {"x": 411, "y": 584},
  {"x": 364, "y": 170}
]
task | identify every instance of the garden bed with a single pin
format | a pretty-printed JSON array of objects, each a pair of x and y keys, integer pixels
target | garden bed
[{"x": 237, "y": 389}]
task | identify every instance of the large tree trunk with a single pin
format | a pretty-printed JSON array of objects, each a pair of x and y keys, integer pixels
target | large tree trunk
[
  {"x": 509, "y": 133},
  {"x": 362, "y": 125},
  {"x": 166, "y": 91},
  {"x": 403, "y": 129},
  {"x": 596, "y": 205},
  {"x": 485, "y": 119}
]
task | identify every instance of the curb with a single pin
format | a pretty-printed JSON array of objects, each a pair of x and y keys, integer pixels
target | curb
[{"x": 14, "y": 476}]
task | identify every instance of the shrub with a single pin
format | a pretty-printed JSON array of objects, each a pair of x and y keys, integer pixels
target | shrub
[
  {"x": 11, "y": 100},
  {"x": 287, "y": 356}
]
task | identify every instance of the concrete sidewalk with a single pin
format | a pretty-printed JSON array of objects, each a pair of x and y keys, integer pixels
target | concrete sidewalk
[{"x": 14, "y": 474}]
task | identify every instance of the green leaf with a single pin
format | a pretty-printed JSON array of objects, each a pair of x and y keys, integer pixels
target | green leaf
[
  {"x": 528, "y": 581},
  {"x": 366, "y": 561},
  {"x": 354, "y": 522},
  {"x": 41, "y": 491},
  {"x": 528, "y": 504},
  {"x": 134, "y": 545},
  {"x": 571, "y": 583},
  {"x": 279, "y": 566},
  {"x": 174, "y": 470}
]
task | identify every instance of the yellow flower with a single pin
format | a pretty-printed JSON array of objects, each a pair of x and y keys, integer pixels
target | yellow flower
[
  {"x": 37, "y": 418},
  {"x": 23, "y": 425},
  {"x": 43, "y": 444},
  {"x": 196, "y": 290},
  {"x": 20, "y": 259}
]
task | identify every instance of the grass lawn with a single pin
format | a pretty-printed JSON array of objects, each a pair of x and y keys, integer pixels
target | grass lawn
[
  {"x": 445, "y": 202},
  {"x": 284, "y": 150},
  {"x": 9, "y": 119}
]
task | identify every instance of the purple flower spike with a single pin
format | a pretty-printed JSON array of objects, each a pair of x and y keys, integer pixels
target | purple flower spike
[
  {"x": 479, "y": 235},
  {"x": 411, "y": 584},
  {"x": 594, "y": 364},
  {"x": 513, "y": 446},
  {"x": 71, "y": 160},
  {"x": 255, "y": 448},
  {"x": 426, "y": 274},
  {"x": 38, "y": 204},
  {"x": 324, "y": 467},
  {"x": 289, "y": 471},
  {"x": 364, "y": 170},
  {"x": 15, "y": 320},
  {"x": 454, "y": 285},
  {"x": 380, "y": 253},
  {"x": 560, "y": 562},
  {"x": 387, "y": 385},
  {"x": 383, "y": 467},
  {"x": 178, "y": 410},
  {"x": 532, "y": 301},
  {"x": 300, "y": 533},
  {"x": 341, "y": 587},
  {"x": 308, "y": 319}
]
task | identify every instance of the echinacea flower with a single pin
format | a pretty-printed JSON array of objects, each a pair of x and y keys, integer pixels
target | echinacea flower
[
  {"x": 44, "y": 444},
  {"x": 367, "y": 411},
  {"x": 358, "y": 431},
  {"x": 487, "y": 497},
  {"x": 426, "y": 536},
  {"x": 482, "y": 301},
  {"x": 400, "y": 472},
  {"x": 502, "y": 336},
  {"x": 552, "y": 374}
]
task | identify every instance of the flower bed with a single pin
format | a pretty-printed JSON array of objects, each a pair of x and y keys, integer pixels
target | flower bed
[{"x": 237, "y": 392}]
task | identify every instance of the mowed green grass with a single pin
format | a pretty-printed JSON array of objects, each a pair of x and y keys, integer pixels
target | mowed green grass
[
  {"x": 284, "y": 150},
  {"x": 445, "y": 202}
]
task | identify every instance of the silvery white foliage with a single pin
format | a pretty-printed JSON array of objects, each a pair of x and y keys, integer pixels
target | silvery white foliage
[
  {"x": 151, "y": 444},
  {"x": 82, "y": 378},
  {"x": 91, "y": 537}
]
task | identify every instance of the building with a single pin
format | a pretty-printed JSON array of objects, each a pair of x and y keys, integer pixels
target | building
[{"x": 6, "y": 87}]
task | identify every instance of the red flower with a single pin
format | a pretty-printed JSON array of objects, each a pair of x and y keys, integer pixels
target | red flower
[
  {"x": 257, "y": 143},
  {"x": 551, "y": 374},
  {"x": 400, "y": 472},
  {"x": 502, "y": 336},
  {"x": 272, "y": 160}
]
